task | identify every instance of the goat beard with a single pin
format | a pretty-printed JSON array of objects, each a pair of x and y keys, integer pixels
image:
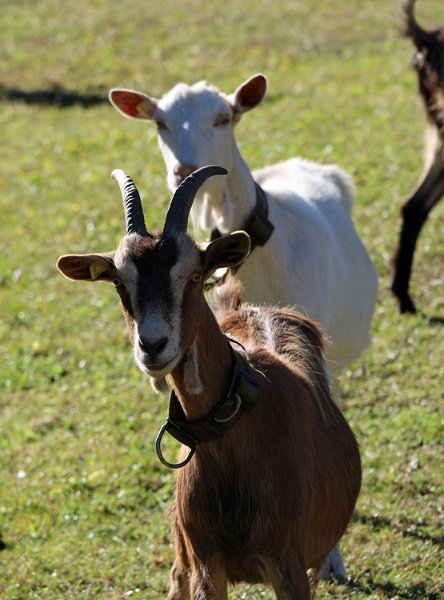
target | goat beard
[
  {"x": 191, "y": 377},
  {"x": 159, "y": 384}
]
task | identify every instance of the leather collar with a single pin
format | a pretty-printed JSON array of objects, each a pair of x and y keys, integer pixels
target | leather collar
[
  {"x": 257, "y": 224},
  {"x": 241, "y": 396}
]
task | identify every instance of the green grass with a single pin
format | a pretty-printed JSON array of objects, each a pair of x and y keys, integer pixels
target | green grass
[{"x": 83, "y": 499}]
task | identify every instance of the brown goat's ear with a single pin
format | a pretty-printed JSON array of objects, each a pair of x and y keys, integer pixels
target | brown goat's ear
[
  {"x": 248, "y": 95},
  {"x": 132, "y": 104},
  {"x": 227, "y": 251},
  {"x": 87, "y": 267}
]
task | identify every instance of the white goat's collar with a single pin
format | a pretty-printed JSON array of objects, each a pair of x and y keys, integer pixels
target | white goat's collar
[{"x": 257, "y": 224}]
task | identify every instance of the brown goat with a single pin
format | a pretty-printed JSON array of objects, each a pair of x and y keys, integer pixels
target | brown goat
[
  {"x": 270, "y": 469},
  {"x": 429, "y": 64}
]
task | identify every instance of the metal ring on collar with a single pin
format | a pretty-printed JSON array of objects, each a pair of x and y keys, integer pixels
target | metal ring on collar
[
  {"x": 233, "y": 414},
  {"x": 160, "y": 453}
]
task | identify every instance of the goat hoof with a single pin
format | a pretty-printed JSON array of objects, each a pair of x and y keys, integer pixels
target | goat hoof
[
  {"x": 333, "y": 567},
  {"x": 406, "y": 305}
]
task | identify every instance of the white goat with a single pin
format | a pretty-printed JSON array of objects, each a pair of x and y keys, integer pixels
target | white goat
[{"x": 314, "y": 259}]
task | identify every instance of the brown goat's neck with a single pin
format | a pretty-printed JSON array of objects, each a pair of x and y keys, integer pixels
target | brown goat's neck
[{"x": 214, "y": 360}]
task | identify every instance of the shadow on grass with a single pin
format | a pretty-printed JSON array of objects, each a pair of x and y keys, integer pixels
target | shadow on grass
[
  {"x": 367, "y": 585},
  {"x": 436, "y": 320},
  {"x": 54, "y": 96},
  {"x": 422, "y": 535},
  {"x": 377, "y": 523},
  {"x": 60, "y": 97}
]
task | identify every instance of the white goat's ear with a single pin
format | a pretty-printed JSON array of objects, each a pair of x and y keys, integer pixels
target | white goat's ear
[
  {"x": 248, "y": 95},
  {"x": 227, "y": 251},
  {"x": 132, "y": 104},
  {"x": 87, "y": 267}
]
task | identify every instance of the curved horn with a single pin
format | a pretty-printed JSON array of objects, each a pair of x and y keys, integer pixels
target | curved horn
[
  {"x": 410, "y": 26},
  {"x": 132, "y": 204},
  {"x": 182, "y": 201}
]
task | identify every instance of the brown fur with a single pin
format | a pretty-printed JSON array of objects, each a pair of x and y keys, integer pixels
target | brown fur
[
  {"x": 429, "y": 64},
  {"x": 270, "y": 499}
]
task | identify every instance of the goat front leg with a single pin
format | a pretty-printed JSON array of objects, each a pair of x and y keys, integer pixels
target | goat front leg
[
  {"x": 209, "y": 582},
  {"x": 180, "y": 572},
  {"x": 292, "y": 582},
  {"x": 179, "y": 582},
  {"x": 414, "y": 214}
]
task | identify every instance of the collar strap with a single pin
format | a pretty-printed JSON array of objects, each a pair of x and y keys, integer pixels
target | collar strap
[
  {"x": 242, "y": 395},
  {"x": 257, "y": 224}
]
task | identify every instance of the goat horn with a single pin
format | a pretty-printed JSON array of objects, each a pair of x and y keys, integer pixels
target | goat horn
[
  {"x": 411, "y": 28},
  {"x": 182, "y": 201},
  {"x": 132, "y": 204}
]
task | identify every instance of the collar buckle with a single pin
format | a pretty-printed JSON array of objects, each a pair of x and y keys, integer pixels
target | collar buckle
[
  {"x": 241, "y": 396},
  {"x": 220, "y": 417}
]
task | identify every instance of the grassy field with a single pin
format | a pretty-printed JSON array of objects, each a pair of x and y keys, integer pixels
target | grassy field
[{"x": 83, "y": 499}]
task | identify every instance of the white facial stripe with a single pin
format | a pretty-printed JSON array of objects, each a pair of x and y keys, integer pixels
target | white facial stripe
[
  {"x": 126, "y": 269},
  {"x": 154, "y": 322},
  {"x": 188, "y": 262},
  {"x": 153, "y": 325}
]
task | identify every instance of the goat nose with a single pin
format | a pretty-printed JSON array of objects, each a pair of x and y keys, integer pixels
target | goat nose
[
  {"x": 153, "y": 347},
  {"x": 182, "y": 171}
]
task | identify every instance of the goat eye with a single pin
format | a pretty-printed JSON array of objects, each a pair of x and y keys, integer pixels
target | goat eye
[
  {"x": 117, "y": 283},
  {"x": 222, "y": 121},
  {"x": 196, "y": 277}
]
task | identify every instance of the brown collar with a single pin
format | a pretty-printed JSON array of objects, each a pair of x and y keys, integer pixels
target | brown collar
[{"x": 241, "y": 396}]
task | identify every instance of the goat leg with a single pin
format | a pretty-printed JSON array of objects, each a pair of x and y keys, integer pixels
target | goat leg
[
  {"x": 333, "y": 567},
  {"x": 179, "y": 582},
  {"x": 414, "y": 214},
  {"x": 293, "y": 582},
  {"x": 180, "y": 572},
  {"x": 209, "y": 582}
]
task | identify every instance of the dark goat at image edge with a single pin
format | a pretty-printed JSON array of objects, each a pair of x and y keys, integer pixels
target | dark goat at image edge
[{"x": 428, "y": 61}]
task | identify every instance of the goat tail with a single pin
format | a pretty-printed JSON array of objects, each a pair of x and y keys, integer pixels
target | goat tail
[{"x": 345, "y": 187}]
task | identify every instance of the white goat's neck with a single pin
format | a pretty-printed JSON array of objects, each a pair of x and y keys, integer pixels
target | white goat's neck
[
  {"x": 214, "y": 362},
  {"x": 228, "y": 207}
]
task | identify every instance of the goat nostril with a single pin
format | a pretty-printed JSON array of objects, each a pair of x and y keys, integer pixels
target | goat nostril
[
  {"x": 160, "y": 344},
  {"x": 153, "y": 348}
]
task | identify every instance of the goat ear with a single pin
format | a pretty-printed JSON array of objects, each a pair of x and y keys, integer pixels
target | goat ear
[
  {"x": 87, "y": 267},
  {"x": 227, "y": 251},
  {"x": 132, "y": 104},
  {"x": 248, "y": 95}
]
